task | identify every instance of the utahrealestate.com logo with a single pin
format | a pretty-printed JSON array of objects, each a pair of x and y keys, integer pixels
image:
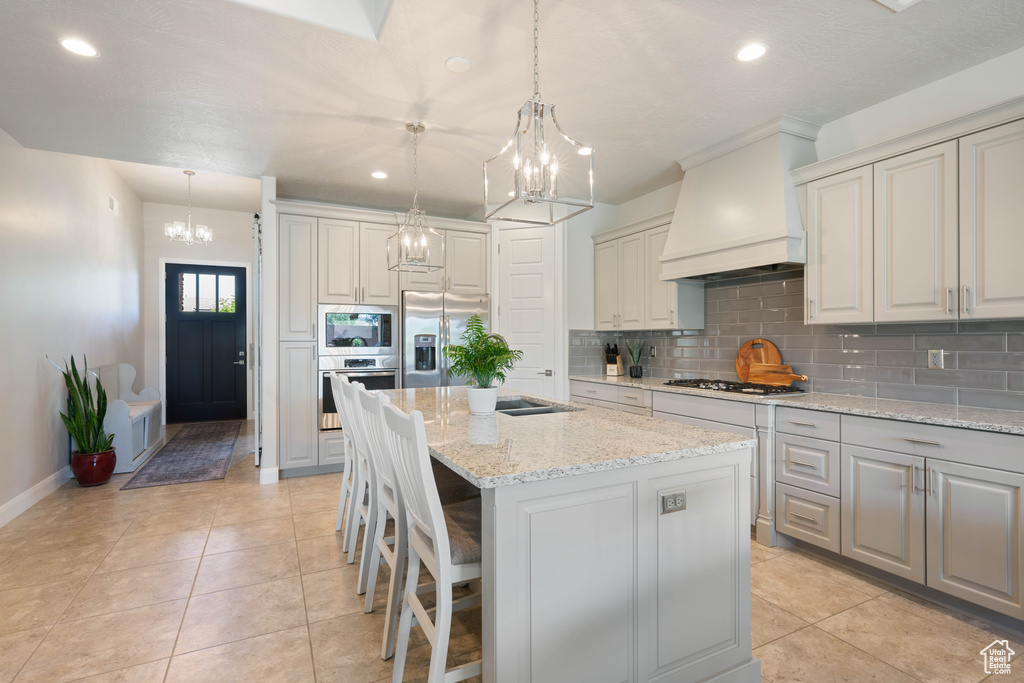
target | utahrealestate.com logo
[{"x": 997, "y": 657}]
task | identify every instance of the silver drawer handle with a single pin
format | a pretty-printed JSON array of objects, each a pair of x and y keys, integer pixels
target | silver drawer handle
[
  {"x": 924, "y": 441},
  {"x": 631, "y": 398},
  {"x": 801, "y": 423},
  {"x": 812, "y": 520},
  {"x": 803, "y": 464},
  {"x": 590, "y": 391}
]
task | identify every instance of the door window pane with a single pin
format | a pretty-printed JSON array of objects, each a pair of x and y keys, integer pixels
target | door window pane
[
  {"x": 226, "y": 294},
  {"x": 207, "y": 292},
  {"x": 187, "y": 292}
]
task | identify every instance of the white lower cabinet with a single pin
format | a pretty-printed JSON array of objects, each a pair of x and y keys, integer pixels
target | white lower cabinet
[
  {"x": 332, "y": 448},
  {"x": 297, "y": 410},
  {"x": 809, "y": 516}
]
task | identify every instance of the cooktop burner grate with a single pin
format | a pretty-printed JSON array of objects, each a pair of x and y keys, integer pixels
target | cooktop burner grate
[{"x": 734, "y": 387}]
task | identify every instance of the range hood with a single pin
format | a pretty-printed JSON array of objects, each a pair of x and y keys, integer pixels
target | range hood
[{"x": 738, "y": 210}]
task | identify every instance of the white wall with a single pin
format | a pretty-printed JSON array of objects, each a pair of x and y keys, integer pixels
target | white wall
[
  {"x": 962, "y": 93},
  {"x": 579, "y": 265},
  {"x": 69, "y": 285},
  {"x": 232, "y": 244}
]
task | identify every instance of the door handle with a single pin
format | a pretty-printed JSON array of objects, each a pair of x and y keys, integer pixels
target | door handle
[
  {"x": 546, "y": 373},
  {"x": 239, "y": 362}
]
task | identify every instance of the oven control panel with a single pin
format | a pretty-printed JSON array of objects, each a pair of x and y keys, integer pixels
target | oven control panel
[{"x": 360, "y": 362}]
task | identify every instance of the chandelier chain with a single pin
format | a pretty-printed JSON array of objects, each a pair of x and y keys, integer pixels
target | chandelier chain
[
  {"x": 536, "y": 49},
  {"x": 189, "y": 199},
  {"x": 415, "y": 167}
]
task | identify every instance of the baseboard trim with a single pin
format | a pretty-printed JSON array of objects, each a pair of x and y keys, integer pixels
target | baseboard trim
[
  {"x": 269, "y": 475},
  {"x": 24, "y": 501}
]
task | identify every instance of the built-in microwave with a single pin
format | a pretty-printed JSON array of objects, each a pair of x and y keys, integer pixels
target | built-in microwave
[{"x": 357, "y": 330}]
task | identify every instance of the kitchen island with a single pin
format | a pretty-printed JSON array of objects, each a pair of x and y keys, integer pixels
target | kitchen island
[{"x": 616, "y": 547}]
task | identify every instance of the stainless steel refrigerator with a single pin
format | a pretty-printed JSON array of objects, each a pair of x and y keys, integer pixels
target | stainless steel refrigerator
[{"x": 431, "y": 321}]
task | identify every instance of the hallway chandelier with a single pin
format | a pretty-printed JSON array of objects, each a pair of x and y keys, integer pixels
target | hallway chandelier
[
  {"x": 538, "y": 168},
  {"x": 416, "y": 247},
  {"x": 186, "y": 232}
]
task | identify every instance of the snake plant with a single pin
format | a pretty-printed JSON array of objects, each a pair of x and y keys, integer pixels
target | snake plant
[{"x": 84, "y": 419}]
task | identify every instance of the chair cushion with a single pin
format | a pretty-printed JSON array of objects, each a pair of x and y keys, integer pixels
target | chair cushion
[
  {"x": 463, "y": 520},
  {"x": 451, "y": 488}
]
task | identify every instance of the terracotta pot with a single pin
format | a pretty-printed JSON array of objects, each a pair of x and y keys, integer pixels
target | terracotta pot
[{"x": 91, "y": 469}]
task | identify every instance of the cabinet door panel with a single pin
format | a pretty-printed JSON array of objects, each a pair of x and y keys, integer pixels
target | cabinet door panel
[
  {"x": 297, "y": 245},
  {"x": 298, "y": 440},
  {"x": 432, "y": 281},
  {"x": 812, "y": 464},
  {"x": 606, "y": 288},
  {"x": 466, "y": 259},
  {"x": 631, "y": 282},
  {"x": 974, "y": 529},
  {"x": 883, "y": 510},
  {"x": 379, "y": 286},
  {"x": 915, "y": 227},
  {"x": 339, "y": 261},
  {"x": 991, "y": 237},
  {"x": 659, "y": 296},
  {"x": 839, "y": 286},
  {"x": 332, "y": 448}
]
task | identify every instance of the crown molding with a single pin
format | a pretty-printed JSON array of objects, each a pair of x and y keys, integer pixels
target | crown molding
[{"x": 784, "y": 124}]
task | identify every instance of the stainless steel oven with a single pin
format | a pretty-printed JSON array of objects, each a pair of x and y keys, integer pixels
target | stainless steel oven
[
  {"x": 373, "y": 372},
  {"x": 357, "y": 330}
]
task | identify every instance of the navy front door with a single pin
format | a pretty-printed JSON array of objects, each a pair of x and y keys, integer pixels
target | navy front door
[{"x": 206, "y": 361}]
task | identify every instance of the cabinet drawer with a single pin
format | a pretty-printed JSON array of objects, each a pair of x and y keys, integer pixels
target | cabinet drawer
[
  {"x": 808, "y": 516},
  {"x": 635, "y": 410},
  {"x": 966, "y": 446},
  {"x": 714, "y": 409},
  {"x": 602, "y": 392},
  {"x": 814, "y": 423},
  {"x": 809, "y": 463},
  {"x": 632, "y": 396}
]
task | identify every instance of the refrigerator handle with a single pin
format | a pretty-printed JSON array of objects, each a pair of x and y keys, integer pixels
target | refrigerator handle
[{"x": 442, "y": 371}]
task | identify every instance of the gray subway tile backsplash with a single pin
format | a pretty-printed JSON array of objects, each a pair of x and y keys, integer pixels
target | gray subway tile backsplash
[{"x": 984, "y": 360}]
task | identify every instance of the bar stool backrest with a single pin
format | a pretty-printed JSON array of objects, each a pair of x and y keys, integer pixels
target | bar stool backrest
[{"x": 372, "y": 424}]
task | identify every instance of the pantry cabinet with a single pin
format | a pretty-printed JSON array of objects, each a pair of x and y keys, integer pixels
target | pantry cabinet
[
  {"x": 297, "y": 286},
  {"x": 298, "y": 444}
]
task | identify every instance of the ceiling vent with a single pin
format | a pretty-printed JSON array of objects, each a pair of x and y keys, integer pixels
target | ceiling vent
[{"x": 897, "y": 5}]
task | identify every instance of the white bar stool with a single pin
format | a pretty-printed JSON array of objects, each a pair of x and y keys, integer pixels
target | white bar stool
[
  {"x": 345, "y": 499},
  {"x": 363, "y": 508}
]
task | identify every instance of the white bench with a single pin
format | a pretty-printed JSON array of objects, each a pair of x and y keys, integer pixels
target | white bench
[{"x": 133, "y": 419}]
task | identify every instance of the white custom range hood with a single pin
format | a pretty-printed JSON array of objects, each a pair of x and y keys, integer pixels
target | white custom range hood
[{"x": 738, "y": 210}]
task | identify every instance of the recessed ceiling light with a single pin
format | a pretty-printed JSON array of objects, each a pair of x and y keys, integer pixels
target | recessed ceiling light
[
  {"x": 751, "y": 52},
  {"x": 458, "y": 65},
  {"x": 379, "y": 175},
  {"x": 585, "y": 151},
  {"x": 79, "y": 47}
]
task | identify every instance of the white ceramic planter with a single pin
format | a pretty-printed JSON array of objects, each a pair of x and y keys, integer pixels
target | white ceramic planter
[{"x": 481, "y": 401}]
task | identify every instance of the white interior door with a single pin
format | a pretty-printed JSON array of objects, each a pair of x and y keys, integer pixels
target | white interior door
[{"x": 526, "y": 306}]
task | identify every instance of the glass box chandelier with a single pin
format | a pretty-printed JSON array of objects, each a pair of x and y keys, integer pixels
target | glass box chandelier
[
  {"x": 416, "y": 247},
  {"x": 186, "y": 232},
  {"x": 540, "y": 168}
]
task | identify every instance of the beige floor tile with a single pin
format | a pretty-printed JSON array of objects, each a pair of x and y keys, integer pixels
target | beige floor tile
[
  {"x": 313, "y": 524},
  {"x": 35, "y": 606},
  {"x": 74, "y": 564},
  {"x": 250, "y": 535},
  {"x": 282, "y": 657},
  {"x": 34, "y": 518},
  {"x": 322, "y": 553},
  {"x": 812, "y": 566},
  {"x": 332, "y": 593},
  {"x": 348, "y": 649},
  {"x": 147, "y": 550},
  {"x": 813, "y": 656},
  {"x": 130, "y": 588},
  {"x": 239, "y": 613},
  {"x": 806, "y": 594},
  {"x": 170, "y": 521},
  {"x": 245, "y": 567},
  {"x": 315, "y": 500},
  {"x": 770, "y": 622},
  {"x": 760, "y": 553},
  {"x": 74, "y": 536},
  {"x": 926, "y": 649},
  {"x": 238, "y": 512},
  {"x": 106, "y": 643},
  {"x": 15, "y": 649},
  {"x": 150, "y": 672},
  {"x": 12, "y": 541}
]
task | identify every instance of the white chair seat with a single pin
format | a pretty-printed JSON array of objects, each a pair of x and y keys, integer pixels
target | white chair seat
[{"x": 463, "y": 521}]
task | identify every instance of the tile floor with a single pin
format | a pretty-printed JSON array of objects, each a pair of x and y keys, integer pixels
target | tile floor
[{"x": 233, "y": 581}]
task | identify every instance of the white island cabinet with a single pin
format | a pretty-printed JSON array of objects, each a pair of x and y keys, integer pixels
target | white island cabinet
[{"x": 585, "y": 578}]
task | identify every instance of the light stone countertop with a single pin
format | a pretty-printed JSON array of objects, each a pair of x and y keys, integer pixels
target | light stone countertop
[
  {"x": 963, "y": 417},
  {"x": 502, "y": 450}
]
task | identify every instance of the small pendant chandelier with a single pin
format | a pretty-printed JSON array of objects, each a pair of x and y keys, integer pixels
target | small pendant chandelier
[
  {"x": 416, "y": 247},
  {"x": 538, "y": 170},
  {"x": 186, "y": 232}
]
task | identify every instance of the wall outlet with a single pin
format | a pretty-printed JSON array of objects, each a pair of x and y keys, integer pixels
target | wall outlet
[
  {"x": 654, "y": 352},
  {"x": 935, "y": 359}
]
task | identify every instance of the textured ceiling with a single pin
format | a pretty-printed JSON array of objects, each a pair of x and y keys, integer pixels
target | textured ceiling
[
  {"x": 221, "y": 87},
  {"x": 165, "y": 185}
]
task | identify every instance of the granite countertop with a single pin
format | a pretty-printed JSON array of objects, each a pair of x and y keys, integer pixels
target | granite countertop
[
  {"x": 502, "y": 450},
  {"x": 964, "y": 417}
]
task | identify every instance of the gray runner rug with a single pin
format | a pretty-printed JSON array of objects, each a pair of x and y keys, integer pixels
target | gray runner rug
[{"x": 199, "y": 452}]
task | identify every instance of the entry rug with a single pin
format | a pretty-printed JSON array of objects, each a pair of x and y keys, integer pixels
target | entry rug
[{"x": 199, "y": 452}]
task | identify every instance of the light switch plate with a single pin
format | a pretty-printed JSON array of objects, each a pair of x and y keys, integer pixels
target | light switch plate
[
  {"x": 673, "y": 502},
  {"x": 935, "y": 359}
]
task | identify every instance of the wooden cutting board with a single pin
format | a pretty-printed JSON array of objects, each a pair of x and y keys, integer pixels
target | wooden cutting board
[
  {"x": 774, "y": 374},
  {"x": 756, "y": 351}
]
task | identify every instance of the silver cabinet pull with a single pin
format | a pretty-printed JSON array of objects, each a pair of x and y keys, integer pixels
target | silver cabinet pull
[
  {"x": 810, "y": 309},
  {"x": 812, "y": 520},
  {"x": 967, "y": 299},
  {"x": 590, "y": 391},
  {"x": 929, "y": 481},
  {"x": 631, "y": 398},
  {"x": 364, "y": 295},
  {"x": 913, "y": 480},
  {"x": 801, "y": 423},
  {"x": 922, "y": 441},
  {"x": 949, "y": 300},
  {"x": 801, "y": 463}
]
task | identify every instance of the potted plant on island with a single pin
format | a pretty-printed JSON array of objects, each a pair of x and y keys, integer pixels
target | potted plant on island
[
  {"x": 636, "y": 350},
  {"x": 94, "y": 459},
  {"x": 481, "y": 359}
]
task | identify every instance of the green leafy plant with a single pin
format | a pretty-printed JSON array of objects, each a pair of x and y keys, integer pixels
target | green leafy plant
[
  {"x": 635, "y": 349},
  {"x": 482, "y": 357},
  {"x": 84, "y": 418}
]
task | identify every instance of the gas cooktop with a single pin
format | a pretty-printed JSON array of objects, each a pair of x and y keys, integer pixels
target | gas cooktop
[{"x": 734, "y": 387}]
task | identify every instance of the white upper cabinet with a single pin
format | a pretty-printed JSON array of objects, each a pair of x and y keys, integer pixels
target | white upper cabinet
[
  {"x": 297, "y": 246},
  {"x": 992, "y": 223},
  {"x": 916, "y": 236},
  {"x": 338, "y": 261},
  {"x": 466, "y": 257},
  {"x": 378, "y": 286},
  {"x": 606, "y": 282},
  {"x": 431, "y": 281},
  {"x": 839, "y": 283},
  {"x": 632, "y": 282},
  {"x": 659, "y": 304}
]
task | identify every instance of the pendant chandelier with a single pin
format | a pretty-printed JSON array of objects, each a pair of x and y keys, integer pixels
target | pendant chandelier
[
  {"x": 186, "y": 232},
  {"x": 538, "y": 170},
  {"x": 416, "y": 247}
]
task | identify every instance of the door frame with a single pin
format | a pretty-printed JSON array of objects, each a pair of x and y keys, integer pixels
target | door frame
[{"x": 162, "y": 325}]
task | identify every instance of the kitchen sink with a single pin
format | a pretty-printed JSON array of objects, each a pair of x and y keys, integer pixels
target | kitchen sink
[{"x": 518, "y": 407}]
